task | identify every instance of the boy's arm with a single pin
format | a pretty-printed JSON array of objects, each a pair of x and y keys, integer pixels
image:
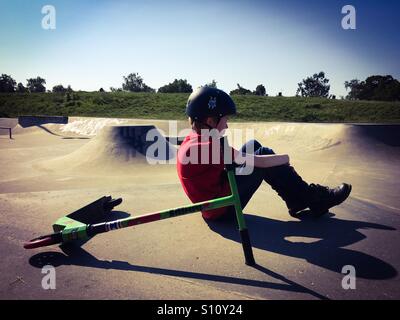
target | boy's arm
[{"x": 261, "y": 161}]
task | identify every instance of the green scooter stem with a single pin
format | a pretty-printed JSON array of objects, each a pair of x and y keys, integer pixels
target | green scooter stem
[{"x": 244, "y": 233}]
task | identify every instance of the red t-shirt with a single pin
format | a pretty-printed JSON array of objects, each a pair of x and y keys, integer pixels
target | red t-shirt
[{"x": 202, "y": 181}]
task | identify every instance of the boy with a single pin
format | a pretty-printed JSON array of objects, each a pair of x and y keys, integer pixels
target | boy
[{"x": 208, "y": 110}]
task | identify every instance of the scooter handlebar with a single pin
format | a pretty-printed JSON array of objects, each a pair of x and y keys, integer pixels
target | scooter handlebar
[{"x": 44, "y": 241}]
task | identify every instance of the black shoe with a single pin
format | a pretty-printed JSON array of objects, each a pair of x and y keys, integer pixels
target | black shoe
[{"x": 324, "y": 198}]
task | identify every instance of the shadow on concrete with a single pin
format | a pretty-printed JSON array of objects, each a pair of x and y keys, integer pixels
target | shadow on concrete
[
  {"x": 328, "y": 251},
  {"x": 75, "y": 255},
  {"x": 386, "y": 134},
  {"x": 266, "y": 234}
]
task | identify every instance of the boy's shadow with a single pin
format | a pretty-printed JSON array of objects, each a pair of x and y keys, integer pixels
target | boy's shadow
[{"x": 328, "y": 252}]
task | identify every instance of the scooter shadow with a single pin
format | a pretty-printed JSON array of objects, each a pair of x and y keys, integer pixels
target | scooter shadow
[
  {"x": 328, "y": 251},
  {"x": 73, "y": 254}
]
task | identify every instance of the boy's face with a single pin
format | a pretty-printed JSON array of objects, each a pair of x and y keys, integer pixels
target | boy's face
[{"x": 221, "y": 126}]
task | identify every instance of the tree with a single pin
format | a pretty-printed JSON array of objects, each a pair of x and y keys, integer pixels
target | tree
[
  {"x": 134, "y": 83},
  {"x": 212, "y": 84},
  {"x": 7, "y": 84},
  {"x": 59, "y": 89},
  {"x": 36, "y": 84},
  {"x": 101, "y": 90},
  {"x": 315, "y": 86},
  {"x": 112, "y": 89},
  {"x": 355, "y": 88},
  {"x": 21, "y": 88},
  {"x": 260, "y": 90},
  {"x": 240, "y": 90},
  {"x": 177, "y": 86},
  {"x": 384, "y": 88}
]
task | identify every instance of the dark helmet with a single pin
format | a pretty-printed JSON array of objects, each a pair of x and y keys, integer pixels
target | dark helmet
[{"x": 209, "y": 102}]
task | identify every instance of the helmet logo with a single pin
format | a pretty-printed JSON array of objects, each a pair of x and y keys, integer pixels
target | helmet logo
[{"x": 212, "y": 103}]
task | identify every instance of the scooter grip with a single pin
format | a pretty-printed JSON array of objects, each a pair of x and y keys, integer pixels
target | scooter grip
[{"x": 44, "y": 241}]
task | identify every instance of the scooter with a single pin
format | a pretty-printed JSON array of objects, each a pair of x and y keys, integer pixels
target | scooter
[{"x": 78, "y": 225}]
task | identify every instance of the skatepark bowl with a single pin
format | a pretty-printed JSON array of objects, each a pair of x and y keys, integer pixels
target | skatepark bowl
[{"x": 53, "y": 166}]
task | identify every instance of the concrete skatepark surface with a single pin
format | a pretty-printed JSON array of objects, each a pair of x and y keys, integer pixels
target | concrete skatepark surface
[{"x": 49, "y": 170}]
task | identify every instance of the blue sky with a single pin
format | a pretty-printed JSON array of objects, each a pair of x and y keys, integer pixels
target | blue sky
[{"x": 276, "y": 43}]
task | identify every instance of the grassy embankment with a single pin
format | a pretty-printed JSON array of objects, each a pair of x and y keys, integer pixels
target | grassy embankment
[{"x": 172, "y": 106}]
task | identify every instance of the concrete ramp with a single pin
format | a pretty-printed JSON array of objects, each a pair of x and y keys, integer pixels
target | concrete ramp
[
  {"x": 33, "y": 124},
  {"x": 118, "y": 149},
  {"x": 339, "y": 143},
  {"x": 17, "y": 128},
  {"x": 365, "y": 155}
]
